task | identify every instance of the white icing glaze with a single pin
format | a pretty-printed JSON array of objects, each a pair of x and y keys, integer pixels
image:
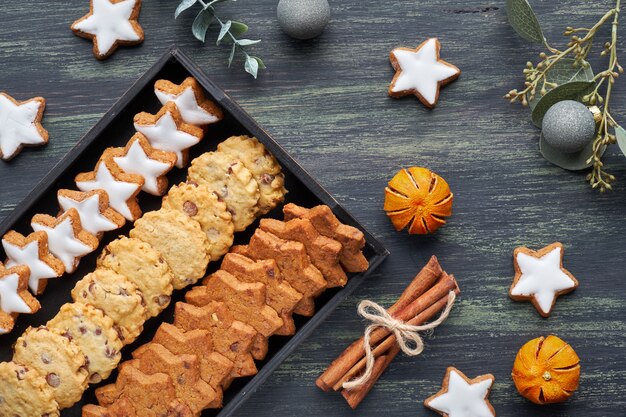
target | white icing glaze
[
  {"x": 63, "y": 243},
  {"x": 91, "y": 219},
  {"x": 29, "y": 256},
  {"x": 137, "y": 162},
  {"x": 119, "y": 192},
  {"x": 109, "y": 22},
  {"x": 421, "y": 71},
  {"x": 165, "y": 135},
  {"x": 10, "y": 300},
  {"x": 187, "y": 104},
  {"x": 17, "y": 126},
  {"x": 463, "y": 399},
  {"x": 542, "y": 278}
]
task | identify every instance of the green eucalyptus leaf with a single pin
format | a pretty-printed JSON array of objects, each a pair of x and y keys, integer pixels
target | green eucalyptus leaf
[
  {"x": 247, "y": 42},
  {"x": 574, "y": 90},
  {"x": 238, "y": 29},
  {"x": 201, "y": 23},
  {"x": 260, "y": 62},
  {"x": 184, "y": 5},
  {"x": 563, "y": 71},
  {"x": 572, "y": 162},
  {"x": 232, "y": 55},
  {"x": 523, "y": 20},
  {"x": 251, "y": 66},
  {"x": 620, "y": 134},
  {"x": 223, "y": 31}
]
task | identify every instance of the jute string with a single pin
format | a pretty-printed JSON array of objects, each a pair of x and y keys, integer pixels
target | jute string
[{"x": 407, "y": 335}]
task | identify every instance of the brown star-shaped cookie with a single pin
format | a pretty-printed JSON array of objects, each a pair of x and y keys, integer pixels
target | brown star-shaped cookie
[
  {"x": 215, "y": 368},
  {"x": 33, "y": 252},
  {"x": 231, "y": 337},
  {"x": 246, "y": 301},
  {"x": 20, "y": 125},
  {"x": 189, "y": 97},
  {"x": 110, "y": 23},
  {"x": 323, "y": 251},
  {"x": 421, "y": 72},
  {"x": 96, "y": 215},
  {"x": 184, "y": 369},
  {"x": 14, "y": 296},
  {"x": 280, "y": 295},
  {"x": 462, "y": 397},
  {"x": 540, "y": 277},
  {"x": 327, "y": 224}
]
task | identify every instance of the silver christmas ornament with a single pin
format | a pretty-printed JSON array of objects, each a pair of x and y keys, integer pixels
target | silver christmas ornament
[
  {"x": 568, "y": 126},
  {"x": 303, "y": 19}
]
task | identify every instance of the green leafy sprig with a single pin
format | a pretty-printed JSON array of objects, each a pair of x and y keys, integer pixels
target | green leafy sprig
[
  {"x": 566, "y": 74},
  {"x": 229, "y": 33}
]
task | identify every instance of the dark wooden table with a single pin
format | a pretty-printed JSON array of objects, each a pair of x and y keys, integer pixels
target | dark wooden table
[{"x": 325, "y": 100}]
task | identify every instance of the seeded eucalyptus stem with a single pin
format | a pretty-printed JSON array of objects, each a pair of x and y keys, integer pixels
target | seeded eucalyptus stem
[{"x": 579, "y": 47}]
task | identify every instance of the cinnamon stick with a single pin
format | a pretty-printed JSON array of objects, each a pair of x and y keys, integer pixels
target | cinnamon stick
[
  {"x": 418, "y": 286},
  {"x": 390, "y": 342}
]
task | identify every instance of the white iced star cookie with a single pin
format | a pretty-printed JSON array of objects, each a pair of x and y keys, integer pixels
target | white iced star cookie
[
  {"x": 20, "y": 125},
  {"x": 421, "y": 72},
  {"x": 32, "y": 251},
  {"x": 540, "y": 277},
  {"x": 168, "y": 132},
  {"x": 189, "y": 97},
  {"x": 139, "y": 157},
  {"x": 96, "y": 216},
  {"x": 121, "y": 188},
  {"x": 14, "y": 296},
  {"x": 110, "y": 23},
  {"x": 67, "y": 240},
  {"x": 462, "y": 397}
]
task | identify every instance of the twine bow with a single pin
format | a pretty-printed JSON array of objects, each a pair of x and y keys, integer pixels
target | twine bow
[{"x": 407, "y": 335}]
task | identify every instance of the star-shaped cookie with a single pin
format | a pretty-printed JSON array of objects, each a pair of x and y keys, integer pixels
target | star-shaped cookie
[
  {"x": 96, "y": 216},
  {"x": 462, "y": 397},
  {"x": 110, "y": 23},
  {"x": 540, "y": 277},
  {"x": 189, "y": 97},
  {"x": 421, "y": 72},
  {"x": 168, "y": 132},
  {"x": 32, "y": 251},
  {"x": 14, "y": 296},
  {"x": 20, "y": 125}
]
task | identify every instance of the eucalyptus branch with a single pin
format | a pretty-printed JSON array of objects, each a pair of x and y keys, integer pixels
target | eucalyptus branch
[{"x": 230, "y": 32}]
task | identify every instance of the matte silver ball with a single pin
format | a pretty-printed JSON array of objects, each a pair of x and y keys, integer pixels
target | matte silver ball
[
  {"x": 568, "y": 126},
  {"x": 303, "y": 19}
]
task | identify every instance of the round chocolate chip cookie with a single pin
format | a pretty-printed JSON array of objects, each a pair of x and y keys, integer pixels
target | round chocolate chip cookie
[{"x": 24, "y": 392}]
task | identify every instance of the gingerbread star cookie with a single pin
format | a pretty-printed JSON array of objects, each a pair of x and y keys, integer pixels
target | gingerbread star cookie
[
  {"x": 67, "y": 240},
  {"x": 121, "y": 188},
  {"x": 139, "y": 157},
  {"x": 32, "y": 251},
  {"x": 167, "y": 131},
  {"x": 14, "y": 296},
  {"x": 421, "y": 72},
  {"x": 20, "y": 125},
  {"x": 540, "y": 277},
  {"x": 96, "y": 216},
  {"x": 188, "y": 96},
  {"x": 110, "y": 23},
  {"x": 462, "y": 397}
]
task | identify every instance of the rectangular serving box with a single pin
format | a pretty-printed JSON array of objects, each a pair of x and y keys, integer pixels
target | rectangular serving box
[{"x": 114, "y": 129}]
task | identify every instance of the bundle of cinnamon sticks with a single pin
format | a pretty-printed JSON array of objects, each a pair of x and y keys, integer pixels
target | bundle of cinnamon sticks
[{"x": 426, "y": 295}]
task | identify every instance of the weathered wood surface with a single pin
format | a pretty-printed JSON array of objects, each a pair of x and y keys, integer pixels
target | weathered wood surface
[{"x": 325, "y": 101}]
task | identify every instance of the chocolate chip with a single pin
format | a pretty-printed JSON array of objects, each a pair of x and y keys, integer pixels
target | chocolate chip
[
  {"x": 124, "y": 292},
  {"x": 67, "y": 335},
  {"x": 181, "y": 380},
  {"x": 98, "y": 331},
  {"x": 267, "y": 178},
  {"x": 195, "y": 184},
  {"x": 91, "y": 285},
  {"x": 24, "y": 344},
  {"x": 162, "y": 300},
  {"x": 190, "y": 208},
  {"x": 271, "y": 273},
  {"x": 82, "y": 329},
  {"x": 53, "y": 380},
  {"x": 45, "y": 358},
  {"x": 110, "y": 353},
  {"x": 95, "y": 378},
  {"x": 234, "y": 347}
]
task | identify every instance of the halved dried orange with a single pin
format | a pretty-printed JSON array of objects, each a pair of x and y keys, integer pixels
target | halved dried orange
[{"x": 418, "y": 198}]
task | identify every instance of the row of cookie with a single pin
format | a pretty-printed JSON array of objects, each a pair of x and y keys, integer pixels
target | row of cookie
[
  {"x": 108, "y": 194},
  {"x": 225, "y": 323},
  {"x": 168, "y": 248}
]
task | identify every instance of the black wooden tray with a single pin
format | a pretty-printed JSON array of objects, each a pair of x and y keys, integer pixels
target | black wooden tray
[{"x": 114, "y": 129}]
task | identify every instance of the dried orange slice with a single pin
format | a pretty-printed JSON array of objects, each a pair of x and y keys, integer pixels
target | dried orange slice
[
  {"x": 546, "y": 370},
  {"x": 418, "y": 198}
]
